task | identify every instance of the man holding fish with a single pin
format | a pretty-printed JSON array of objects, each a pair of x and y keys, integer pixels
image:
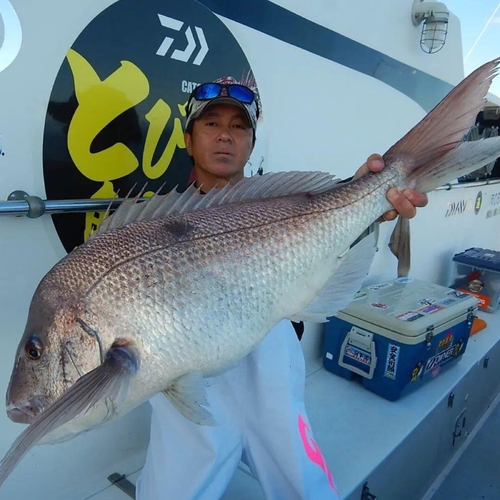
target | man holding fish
[
  {"x": 259, "y": 401},
  {"x": 173, "y": 291}
]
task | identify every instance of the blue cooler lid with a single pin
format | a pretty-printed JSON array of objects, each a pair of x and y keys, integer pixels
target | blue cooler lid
[{"x": 480, "y": 257}]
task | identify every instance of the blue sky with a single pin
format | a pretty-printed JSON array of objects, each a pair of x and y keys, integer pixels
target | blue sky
[{"x": 473, "y": 15}]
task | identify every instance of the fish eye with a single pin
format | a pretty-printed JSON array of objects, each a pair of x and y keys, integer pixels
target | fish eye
[{"x": 33, "y": 347}]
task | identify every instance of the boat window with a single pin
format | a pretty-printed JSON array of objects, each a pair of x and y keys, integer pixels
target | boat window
[{"x": 487, "y": 125}]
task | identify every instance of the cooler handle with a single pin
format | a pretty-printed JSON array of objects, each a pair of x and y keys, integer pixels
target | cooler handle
[{"x": 359, "y": 340}]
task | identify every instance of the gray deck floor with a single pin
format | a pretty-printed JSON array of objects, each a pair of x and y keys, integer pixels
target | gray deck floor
[{"x": 476, "y": 475}]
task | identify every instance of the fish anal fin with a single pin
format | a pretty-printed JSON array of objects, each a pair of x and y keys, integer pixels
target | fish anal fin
[
  {"x": 343, "y": 285},
  {"x": 188, "y": 395}
]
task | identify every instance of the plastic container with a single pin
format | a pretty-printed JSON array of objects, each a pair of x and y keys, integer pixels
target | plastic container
[{"x": 479, "y": 274}]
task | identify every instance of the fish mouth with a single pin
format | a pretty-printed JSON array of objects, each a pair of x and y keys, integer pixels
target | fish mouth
[
  {"x": 18, "y": 416},
  {"x": 26, "y": 412}
]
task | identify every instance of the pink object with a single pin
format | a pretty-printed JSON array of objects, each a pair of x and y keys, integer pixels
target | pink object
[{"x": 313, "y": 451}]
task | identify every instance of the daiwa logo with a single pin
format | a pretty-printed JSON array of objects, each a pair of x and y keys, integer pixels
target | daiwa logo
[
  {"x": 458, "y": 207},
  {"x": 183, "y": 55}
]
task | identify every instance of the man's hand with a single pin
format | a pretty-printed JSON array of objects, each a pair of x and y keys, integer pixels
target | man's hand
[{"x": 405, "y": 203}]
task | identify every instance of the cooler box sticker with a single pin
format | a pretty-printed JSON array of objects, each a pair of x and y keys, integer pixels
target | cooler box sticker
[
  {"x": 446, "y": 341},
  {"x": 417, "y": 371},
  {"x": 447, "y": 302},
  {"x": 426, "y": 302},
  {"x": 431, "y": 309},
  {"x": 439, "y": 359},
  {"x": 458, "y": 294},
  {"x": 391, "y": 364},
  {"x": 358, "y": 355},
  {"x": 409, "y": 316},
  {"x": 379, "y": 305},
  {"x": 359, "y": 295},
  {"x": 381, "y": 286}
]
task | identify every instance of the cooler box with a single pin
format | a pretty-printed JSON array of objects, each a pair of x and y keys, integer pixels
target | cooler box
[
  {"x": 479, "y": 272},
  {"x": 398, "y": 335}
]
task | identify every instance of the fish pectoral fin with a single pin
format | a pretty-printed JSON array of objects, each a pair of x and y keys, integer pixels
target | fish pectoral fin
[
  {"x": 400, "y": 245},
  {"x": 343, "y": 285},
  {"x": 105, "y": 381},
  {"x": 189, "y": 396}
]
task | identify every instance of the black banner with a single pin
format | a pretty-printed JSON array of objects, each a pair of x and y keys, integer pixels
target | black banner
[{"x": 116, "y": 112}]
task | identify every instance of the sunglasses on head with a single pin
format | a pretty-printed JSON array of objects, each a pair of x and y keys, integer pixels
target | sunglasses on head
[{"x": 208, "y": 91}]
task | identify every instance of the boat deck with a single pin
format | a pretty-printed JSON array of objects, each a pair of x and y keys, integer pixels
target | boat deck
[{"x": 474, "y": 475}]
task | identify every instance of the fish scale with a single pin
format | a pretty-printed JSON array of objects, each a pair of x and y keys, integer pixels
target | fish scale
[{"x": 226, "y": 287}]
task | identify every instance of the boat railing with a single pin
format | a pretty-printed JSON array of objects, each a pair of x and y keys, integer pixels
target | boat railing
[{"x": 19, "y": 203}]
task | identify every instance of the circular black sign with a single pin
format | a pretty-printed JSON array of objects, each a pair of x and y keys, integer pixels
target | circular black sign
[{"x": 116, "y": 112}]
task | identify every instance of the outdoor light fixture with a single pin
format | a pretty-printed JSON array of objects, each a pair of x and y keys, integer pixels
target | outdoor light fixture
[{"x": 434, "y": 16}]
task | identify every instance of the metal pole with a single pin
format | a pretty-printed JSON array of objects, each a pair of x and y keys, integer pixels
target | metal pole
[
  {"x": 14, "y": 208},
  {"x": 75, "y": 206},
  {"x": 447, "y": 187},
  {"x": 35, "y": 207}
]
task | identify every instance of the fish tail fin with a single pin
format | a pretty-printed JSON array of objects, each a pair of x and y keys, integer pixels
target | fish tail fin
[
  {"x": 433, "y": 152},
  {"x": 429, "y": 152},
  {"x": 464, "y": 159}
]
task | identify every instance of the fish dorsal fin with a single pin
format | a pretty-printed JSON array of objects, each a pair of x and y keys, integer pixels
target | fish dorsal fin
[
  {"x": 271, "y": 185},
  {"x": 343, "y": 285},
  {"x": 188, "y": 395}
]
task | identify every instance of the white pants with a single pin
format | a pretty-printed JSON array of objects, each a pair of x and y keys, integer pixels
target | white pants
[{"x": 259, "y": 404}]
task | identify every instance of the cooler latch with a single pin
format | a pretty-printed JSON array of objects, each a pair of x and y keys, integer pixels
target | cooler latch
[
  {"x": 470, "y": 316},
  {"x": 358, "y": 353},
  {"x": 428, "y": 336}
]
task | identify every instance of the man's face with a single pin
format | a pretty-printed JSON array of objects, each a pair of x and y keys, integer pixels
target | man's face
[{"x": 221, "y": 142}]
